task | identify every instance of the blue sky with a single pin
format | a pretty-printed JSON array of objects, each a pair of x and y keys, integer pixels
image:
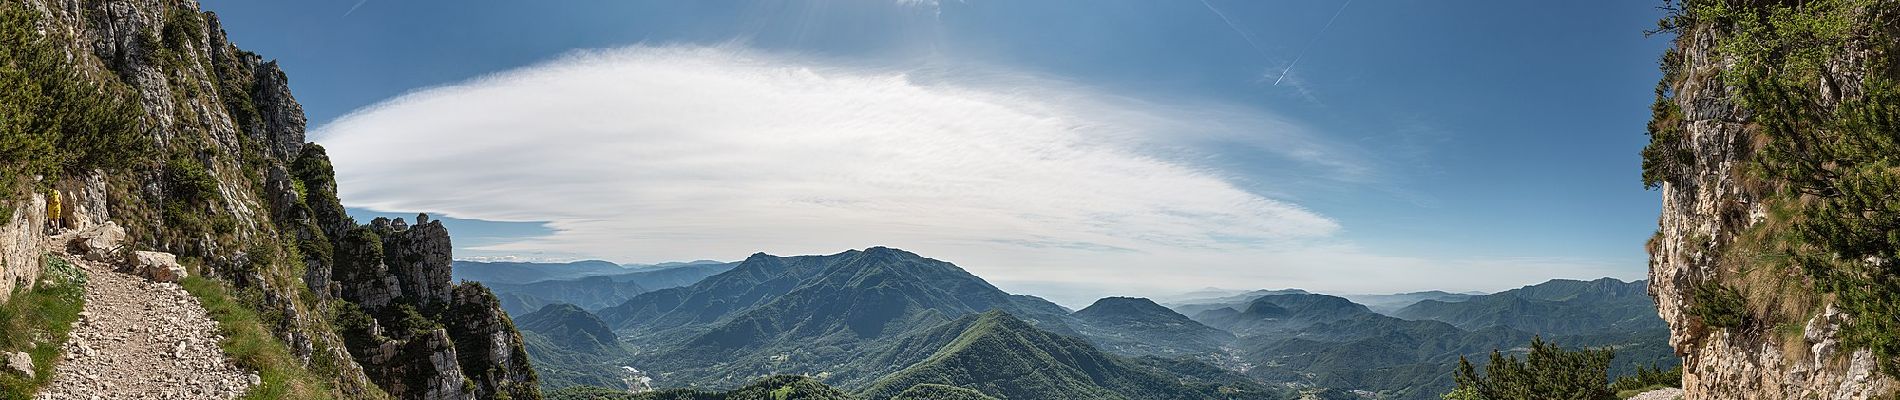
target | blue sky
[{"x": 1417, "y": 144}]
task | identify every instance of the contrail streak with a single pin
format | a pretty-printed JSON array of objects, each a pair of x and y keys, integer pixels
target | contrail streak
[
  {"x": 359, "y": 4},
  {"x": 1309, "y": 43},
  {"x": 1230, "y": 25}
]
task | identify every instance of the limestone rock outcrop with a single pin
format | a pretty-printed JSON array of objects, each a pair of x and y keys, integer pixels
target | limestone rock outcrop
[
  {"x": 21, "y": 238},
  {"x": 421, "y": 367},
  {"x": 398, "y": 273},
  {"x": 491, "y": 349},
  {"x": 1710, "y": 204}
]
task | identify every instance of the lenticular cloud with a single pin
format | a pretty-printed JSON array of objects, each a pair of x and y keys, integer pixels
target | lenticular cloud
[{"x": 647, "y": 154}]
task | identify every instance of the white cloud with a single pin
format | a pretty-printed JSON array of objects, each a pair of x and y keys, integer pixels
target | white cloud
[{"x": 652, "y": 154}]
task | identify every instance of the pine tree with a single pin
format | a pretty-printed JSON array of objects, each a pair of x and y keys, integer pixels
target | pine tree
[{"x": 1548, "y": 372}]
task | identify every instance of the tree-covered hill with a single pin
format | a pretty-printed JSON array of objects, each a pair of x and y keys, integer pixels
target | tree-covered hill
[
  {"x": 932, "y": 391},
  {"x": 807, "y": 315},
  {"x": 1557, "y": 307},
  {"x": 1000, "y": 355},
  {"x": 1283, "y": 314},
  {"x": 785, "y": 387},
  {"x": 569, "y": 327},
  {"x": 570, "y": 346},
  {"x": 1137, "y": 326}
]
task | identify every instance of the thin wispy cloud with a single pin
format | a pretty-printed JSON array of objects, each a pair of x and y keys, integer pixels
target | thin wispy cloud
[{"x": 650, "y": 154}]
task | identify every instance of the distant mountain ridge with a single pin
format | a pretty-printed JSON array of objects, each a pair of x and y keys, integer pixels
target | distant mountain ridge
[
  {"x": 524, "y": 272},
  {"x": 1391, "y": 303},
  {"x": 601, "y": 291},
  {"x": 880, "y": 321},
  {"x": 1558, "y": 306},
  {"x": 1191, "y": 305},
  {"x": 1282, "y": 313},
  {"x": 520, "y": 272}
]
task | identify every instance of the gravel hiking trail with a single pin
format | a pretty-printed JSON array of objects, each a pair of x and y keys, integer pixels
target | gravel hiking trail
[{"x": 139, "y": 339}]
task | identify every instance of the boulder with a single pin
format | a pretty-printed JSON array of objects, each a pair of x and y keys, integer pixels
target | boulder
[
  {"x": 157, "y": 266},
  {"x": 20, "y": 363},
  {"x": 99, "y": 242}
]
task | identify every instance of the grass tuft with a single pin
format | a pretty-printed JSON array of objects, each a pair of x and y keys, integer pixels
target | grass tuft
[
  {"x": 249, "y": 342},
  {"x": 37, "y": 321}
]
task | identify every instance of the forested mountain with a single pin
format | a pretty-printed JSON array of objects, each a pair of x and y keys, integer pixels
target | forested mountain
[
  {"x": 1599, "y": 313},
  {"x": 1282, "y": 314},
  {"x": 807, "y": 314},
  {"x": 1129, "y": 325},
  {"x": 1329, "y": 341},
  {"x": 570, "y": 347},
  {"x": 879, "y": 321},
  {"x": 1566, "y": 307},
  {"x": 1397, "y": 358},
  {"x": 1000, "y": 355},
  {"x": 752, "y": 282},
  {"x": 785, "y": 387},
  {"x": 932, "y": 391},
  {"x": 570, "y": 327}
]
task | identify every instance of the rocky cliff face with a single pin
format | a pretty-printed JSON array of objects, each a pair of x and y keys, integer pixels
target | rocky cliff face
[
  {"x": 231, "y": 187},
  {"x": 467, "y": 347},
  {"x": 1708, "y": 143}
]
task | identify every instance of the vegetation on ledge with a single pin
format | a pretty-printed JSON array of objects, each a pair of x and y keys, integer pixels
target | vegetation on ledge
[{"x": 251, "y": 345}]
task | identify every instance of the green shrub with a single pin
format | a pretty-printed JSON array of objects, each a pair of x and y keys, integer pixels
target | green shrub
[
  {"x": 1719, "y": 306},
  {"x": 189, "y": 180},
  {"x": 183, "y": 27},
  {"x": 52, "y": 119},
  {"x": 406, "y": 321},
  {"x": 1667, "y": 155}
]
